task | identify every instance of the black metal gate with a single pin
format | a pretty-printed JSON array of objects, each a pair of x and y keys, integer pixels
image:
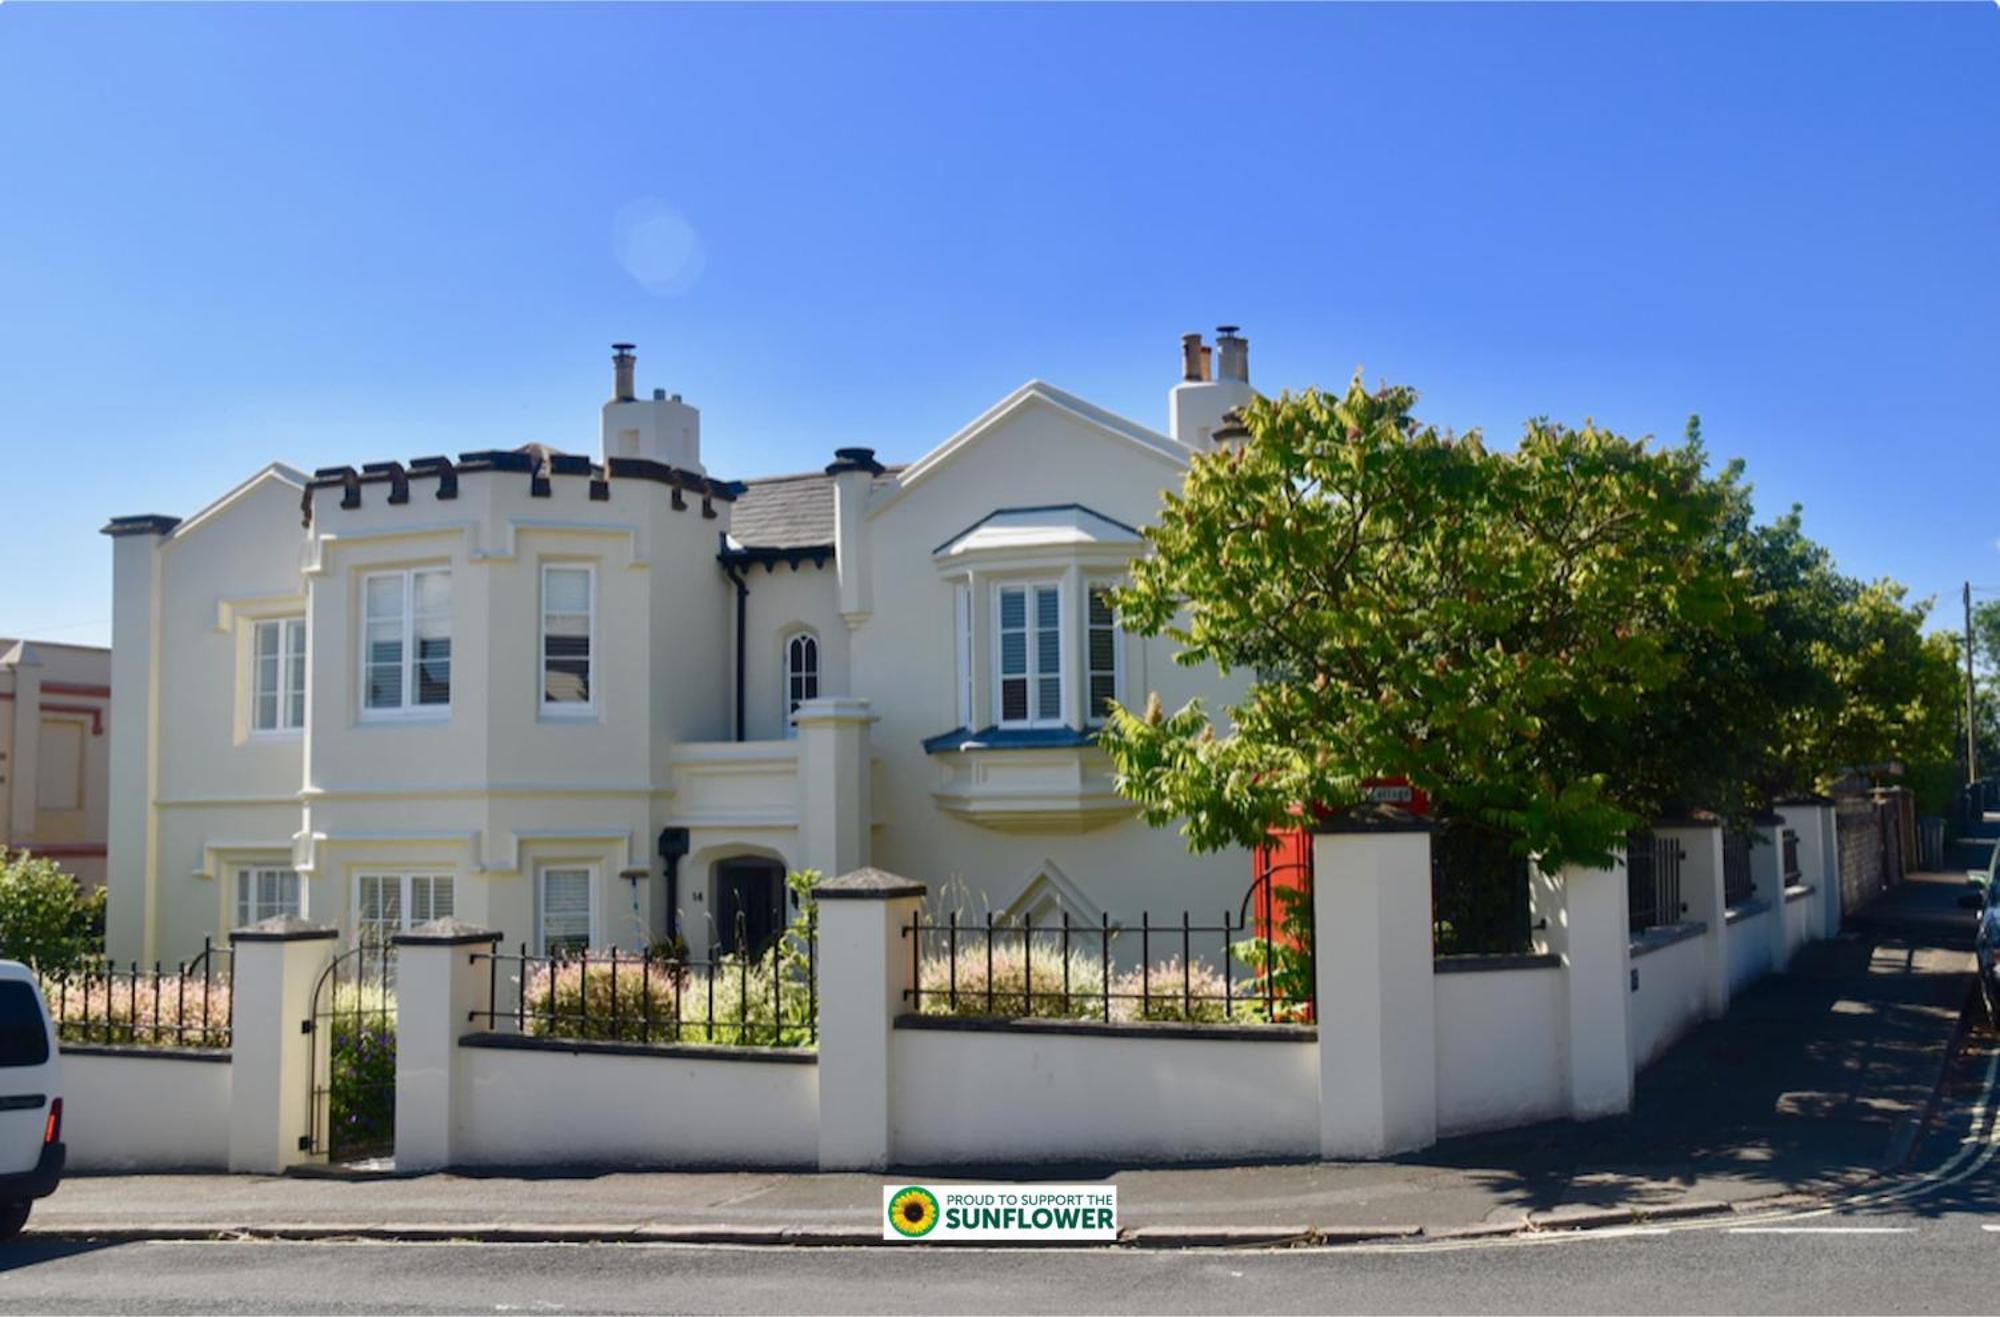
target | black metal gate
[{"x": 351, "y": 1064}]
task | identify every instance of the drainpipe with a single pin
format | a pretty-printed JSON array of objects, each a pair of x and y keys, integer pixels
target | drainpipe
[
  {"x": 742, "y": 604},
  {"x": 673, "y": 845}
]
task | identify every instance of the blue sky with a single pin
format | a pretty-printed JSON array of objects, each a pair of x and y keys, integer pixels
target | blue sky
[{"x": 326, "y": 235}]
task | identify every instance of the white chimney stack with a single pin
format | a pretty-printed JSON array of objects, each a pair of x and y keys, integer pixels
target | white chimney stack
[
  {"x": 659, "y": 428},
  {"x": 1199, "y": 402}
]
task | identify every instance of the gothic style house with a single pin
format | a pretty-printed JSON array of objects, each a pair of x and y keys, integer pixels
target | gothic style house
[{"x": 600, "y": 699}]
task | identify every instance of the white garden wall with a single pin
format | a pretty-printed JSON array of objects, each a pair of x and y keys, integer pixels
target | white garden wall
[
  {"x": 145, "y": 1109},
  {"x": 1499, "y": 1044},
  {"x": 597, "y": 1105},
  {"x": 1803, "y": 918},
  {"x": 1748, "y": 942},
  {"x": 1671, "y": 995},
  {"x": 1029, "y": 1093}
]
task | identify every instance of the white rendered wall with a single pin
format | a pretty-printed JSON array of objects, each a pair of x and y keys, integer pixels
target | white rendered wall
[
  {"x": 524, "y": 1108},
  {"x": 1749, "y": 944},
  {"x": 1007, "y": 1096},
  {"x": 1499, "y": 1041},
  {"x": 145, "y": 1111},
  {"x": 1803, "y": 920},
  {"x": 1672, "y": 997}
]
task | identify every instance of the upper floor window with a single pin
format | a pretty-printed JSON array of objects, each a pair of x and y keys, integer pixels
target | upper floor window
[
  {"x": 406, "y": 642},
  {"x": 568, "y": 605},
  {"x": 801, "y": 674},
  {"x": 278, "y": 675},
  {"x": 1029, "y": 638},
  {"x": 1101, "y": 653},
  {"x": 262, "y": 893}
]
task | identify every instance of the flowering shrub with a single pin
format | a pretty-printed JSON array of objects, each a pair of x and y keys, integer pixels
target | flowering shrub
[
  {"x": 1161, "y": 992},
  {"x": 661, "y": 996},
  {"x": 140, "y": 1010},
  {"x": 361, "y": 1091},
  {"x": 625, "y": 996}
]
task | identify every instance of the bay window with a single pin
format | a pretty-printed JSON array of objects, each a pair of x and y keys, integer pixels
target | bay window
[
  {"x": 1100, "y": 654},
  {"x": 1028, "y": 635}
]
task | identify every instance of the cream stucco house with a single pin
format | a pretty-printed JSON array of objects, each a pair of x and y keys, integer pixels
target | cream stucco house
[{"x": 601, "y": 698}]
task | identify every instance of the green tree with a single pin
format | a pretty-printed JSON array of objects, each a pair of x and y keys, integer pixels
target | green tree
[
  {"x": 1410, "y": 603},
  {"x": 45, "y": 919}
]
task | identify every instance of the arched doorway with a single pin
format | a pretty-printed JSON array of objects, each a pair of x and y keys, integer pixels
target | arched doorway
[{"x": 749, "y": 889}]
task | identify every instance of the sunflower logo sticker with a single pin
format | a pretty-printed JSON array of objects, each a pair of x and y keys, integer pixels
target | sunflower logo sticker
[{"x": 913, "y": 1212}]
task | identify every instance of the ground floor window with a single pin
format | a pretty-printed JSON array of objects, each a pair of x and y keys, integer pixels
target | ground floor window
[
  {"x": 386, "y": 904},
  {"x": 262, "y": 893},
  {"x": 563, "y": 898}
]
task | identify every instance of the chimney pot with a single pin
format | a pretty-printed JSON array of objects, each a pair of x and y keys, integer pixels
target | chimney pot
[
  {"x": 623, "y": 364},
  {"x": 1233, "y": 353},
  {"x": 1192, "y": 353}
]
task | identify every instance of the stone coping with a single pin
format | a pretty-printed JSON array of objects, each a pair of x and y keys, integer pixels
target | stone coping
[
  {"x": 1665, "y": 935},
  {"x": 1750, "y": 909},
  {"x": 1153, "y": 1030},
  {"x": 138, "y": 1053},
  {"x": 515, "y": 1042},
  {"x": 1481, "y": 964}
]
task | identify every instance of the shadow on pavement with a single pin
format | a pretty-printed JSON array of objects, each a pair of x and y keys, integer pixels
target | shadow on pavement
[{"x": 1816, "y": 1079}]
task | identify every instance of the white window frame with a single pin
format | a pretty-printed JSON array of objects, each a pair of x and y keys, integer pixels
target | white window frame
[
  {"x": 291, "y": 655},
  {"x": 248, "y": 898},
  {"x": 785, "y": 674},
  {"x": 1117, "y": 673},
  {"x": 542, "y": 871},
  {"x": 409, "y": 708},
  {"x": 1034, "y": 674},
  {"x": 961, "y": 619},
  {"x": 406, "y": 881},
  {"x": 561, "y": 709}
]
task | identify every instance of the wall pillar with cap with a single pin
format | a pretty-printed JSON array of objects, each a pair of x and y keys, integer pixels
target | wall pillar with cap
[{"x": 864, "y": 970}]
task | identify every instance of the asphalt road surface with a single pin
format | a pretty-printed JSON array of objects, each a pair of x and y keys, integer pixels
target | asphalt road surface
[{"x": 1893, "y": 1260}]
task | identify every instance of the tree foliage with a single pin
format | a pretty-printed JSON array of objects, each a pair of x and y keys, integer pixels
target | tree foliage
[
  {"x": 45, "y": 918},
  {"x": 1556, "y": 642}
]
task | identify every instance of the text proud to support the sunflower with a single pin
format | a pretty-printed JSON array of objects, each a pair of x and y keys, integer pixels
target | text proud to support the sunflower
[{"x": 1000, "y": 1212}]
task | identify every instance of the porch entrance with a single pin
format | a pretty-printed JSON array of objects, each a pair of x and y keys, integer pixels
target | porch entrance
[{"x": 749, "y": 903}]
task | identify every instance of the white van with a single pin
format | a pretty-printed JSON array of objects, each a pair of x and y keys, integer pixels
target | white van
[{"x": 31, "y": 1147}]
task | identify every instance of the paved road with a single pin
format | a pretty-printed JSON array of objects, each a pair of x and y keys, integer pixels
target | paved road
[{"x": 1942, "y": 1264}]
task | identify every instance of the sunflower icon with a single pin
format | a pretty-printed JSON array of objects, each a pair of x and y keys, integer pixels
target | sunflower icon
[{"x": 913, "y": 1212}]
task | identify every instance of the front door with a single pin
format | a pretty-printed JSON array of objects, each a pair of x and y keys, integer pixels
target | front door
[{"x": 749, "y": 903}]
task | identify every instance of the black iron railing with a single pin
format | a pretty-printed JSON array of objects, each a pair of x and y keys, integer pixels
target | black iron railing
[
  {"x": 1789, "y": 842},
  {"x": 1261, "y": 971},
  {"x": 1653, "y": 880},
  {"x": 188, "y": 1005},
  {"x": 1479, "y": 892},
  {"x": 1738, "y": 886},
  {"x": 742, "y": 999}
]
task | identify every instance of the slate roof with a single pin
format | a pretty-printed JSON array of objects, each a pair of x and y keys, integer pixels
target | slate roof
[{"x": 788, "y": 512}]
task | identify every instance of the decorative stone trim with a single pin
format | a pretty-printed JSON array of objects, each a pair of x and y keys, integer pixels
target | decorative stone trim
[
  {"x": 447, "y": 932},
  {"x": 869, "y": 885},
  {"x": 148, "y": 523},
  {"x": 1799, "y": 891},
  {"x": 284, "y": 928}
]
